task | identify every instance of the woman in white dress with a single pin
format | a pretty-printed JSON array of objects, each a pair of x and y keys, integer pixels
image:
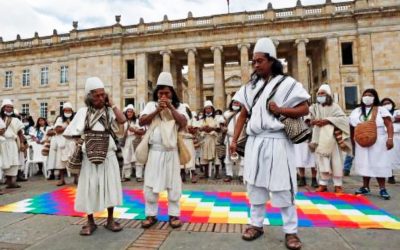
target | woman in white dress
[
  {"x": 38, "y": 137},
  {"x": 99, "y": 185},
  {"x": 188, "y": 135},
  {"x": 2, "y": 139},
  {"x": 391, "y": 107},
  {"x": 132, "y": 131},
  {"x": 165, "y": 115},
  {"x": 373, "y": 161},
  {"x": 60, "y": 148},
  {"x": 9, "y": 148}
]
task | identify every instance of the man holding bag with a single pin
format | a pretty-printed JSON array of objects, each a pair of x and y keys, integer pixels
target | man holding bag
[{"x": 165, "y": 115}]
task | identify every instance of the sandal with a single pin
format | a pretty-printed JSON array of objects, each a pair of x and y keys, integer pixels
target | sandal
[
  {"x": 60, "y": 183},
  {"x": 175, "y": 222},
  {"x": 251, "y": 233},
  {"x": 150, "y": 221},
  {"x": 292, "y": 242},
  {"x": 13, "y": 185},
  {"x": 88, "y": 229},
  {"x": 113, "y": 226}
]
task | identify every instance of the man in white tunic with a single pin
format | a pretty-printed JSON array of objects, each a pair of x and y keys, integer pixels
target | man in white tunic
[
  {"x": 165, "y": 115},
  {"x": 99, "y": 185},
  {"x": 269, "y": 169},
  {"x": 10, "y": 149}
]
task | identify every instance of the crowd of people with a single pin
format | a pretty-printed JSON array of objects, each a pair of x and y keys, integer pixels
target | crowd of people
[{"x": 168, "y": 143}]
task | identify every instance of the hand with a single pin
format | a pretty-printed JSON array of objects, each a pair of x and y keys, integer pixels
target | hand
[
  {"x": 274, "y": 109},
  {"x": 162, "y": 103},
  {"x": 233, "y": 147},
  {"x": 389, "y": 144},
  {"x": 110, "y": 101},
  {"x": 322, "y": 123},
  {"x": 140, "y": 132},
  {"x": 2, "y": 131}
]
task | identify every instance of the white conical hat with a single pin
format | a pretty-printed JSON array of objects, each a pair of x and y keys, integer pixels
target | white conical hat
[
  {"x": 325, "y": 87},
  {"x": 67, "y": 105},
  {"x": 165, "y": 79},
  {"x": 265, "y": 45},
  {"x": 208, "y": 103},
  {"x": 93, "y": 83},
  {"x": 7, "y": 102},
  {"x": 130, "y": 106}
]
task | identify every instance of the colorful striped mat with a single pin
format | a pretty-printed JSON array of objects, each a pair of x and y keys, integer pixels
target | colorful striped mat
[{"x": 314, "y": 209}]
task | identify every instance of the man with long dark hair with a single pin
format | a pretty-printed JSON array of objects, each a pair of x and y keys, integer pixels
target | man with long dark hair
[
  {"x": 165, "y": 115},
  {"x": 269, "y": 169}
]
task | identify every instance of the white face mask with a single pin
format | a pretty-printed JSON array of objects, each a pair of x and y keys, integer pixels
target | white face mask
[
  {"x": 68, "y": 115},
  {"x": 26, "y": 124},
  {"x": 321, "y": 99},
  {"x": 9, "y": 113},
  {"x": 235, "y": 108},
  {"x": 368, "y": 100},
  {"x": 389, "y": 107}
]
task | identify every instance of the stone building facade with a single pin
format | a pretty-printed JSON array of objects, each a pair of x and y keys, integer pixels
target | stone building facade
[{"x": 352, "y": 46}]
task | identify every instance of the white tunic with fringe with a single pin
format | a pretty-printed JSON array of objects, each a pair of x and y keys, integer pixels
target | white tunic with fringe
[
  {"x": 9, "y": 148},
  {"x": 374, "y": 161},
  {"x": 395, "y": 152},
  {"x": 99, "y": 186},
  {"x": 268, "y": 160},
  {"x": 162, "y": 171}
]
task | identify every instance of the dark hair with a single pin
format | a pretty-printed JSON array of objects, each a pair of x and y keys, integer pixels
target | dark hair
[
  {"x": 3, "y": 115},
  {"x": 175, "y": 98},
  {"x": 213, "y": 112},
  {"x": 218, "y": 112},
  {"x": 276, "y": 69},
  {"x": 189, "y": 112},
  {"x": 37, "y": 126},
  {"x": 392, "y": 102},
  {"x": 376, "y": 103},
  {"x": 231, "y": 105},
  {"x": 29, "y": 119},
  {"x": 133, "y": 118}
]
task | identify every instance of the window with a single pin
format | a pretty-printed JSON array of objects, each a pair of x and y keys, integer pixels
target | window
[
  {"x": 43, "y": 109},
  {"x": 25, "y": 108},
  {"x": 61, "y": 106},
  {"x": 130, "y": 69},
  {"x": 64, "y": 74},
  {"x": 26, "y": 81},
  {"x": 44, "y": 76},
  {"x": 209, "y": 98},
  {"x": 8, "y": 80},
  {"x": 347, "y": 53},
  {"x": 350, "y": 97},
  {"x": 129, "y": 101}
]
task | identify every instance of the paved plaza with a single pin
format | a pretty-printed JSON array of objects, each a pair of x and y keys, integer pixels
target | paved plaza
[{"x": 28, "y": 231}]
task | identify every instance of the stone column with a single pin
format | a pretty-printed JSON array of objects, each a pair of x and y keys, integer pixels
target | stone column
[
  {"x": 192, "y": 78},
  {"x": 302, "y": 65},
  {"x": 333, "y": 63},
  {"x": 166, "y": 54},
  {"x": 116, "y": 67},
  {"x": 365, "y": 63},
  {"x": 228, "y": 99},
  {"x": 244, "y": 62},
  {"x": 219, "y": 78},
  {"x": 142, "y": 81}
]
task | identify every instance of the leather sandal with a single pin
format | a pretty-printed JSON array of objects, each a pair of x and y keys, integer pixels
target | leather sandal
[
  {"x": 339, "y": 190},
  {"x": 175, "y": 222},
  {"x": 149, "y": 221},
  {"x": 251, "y": 233},
  {"x": 88, "y": 229},
  {"x": 293, "y": 242},
  {"x": 113, "y": 226},
  {"x": 321, "y": 188}
]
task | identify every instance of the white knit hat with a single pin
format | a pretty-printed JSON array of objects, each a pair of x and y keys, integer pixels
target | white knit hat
[
  {"x": 208, "y": 103},
  {"x": 67, "y": 105},
  {"x": 265, "y": 45},
  {"x": 130, "y": 106},
  {"x": 165, "y": 79},
  {"x": 7, "y": 102},
  {"x": 93, "y": 83},
  {"x": 325, "y": 87}
]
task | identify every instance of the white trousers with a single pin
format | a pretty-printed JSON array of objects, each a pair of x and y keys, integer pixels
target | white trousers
[
  {"x": 151, "y": 199},
  {"x": 229, "y": 169},
  {"x": 127, "y": 170},
  {"x": 337, "y": 181},
  {"x": 259, "y": 196}
]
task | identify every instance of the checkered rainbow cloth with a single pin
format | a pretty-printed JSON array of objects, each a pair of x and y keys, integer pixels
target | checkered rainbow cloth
[{"x": 314, "y": 209}]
